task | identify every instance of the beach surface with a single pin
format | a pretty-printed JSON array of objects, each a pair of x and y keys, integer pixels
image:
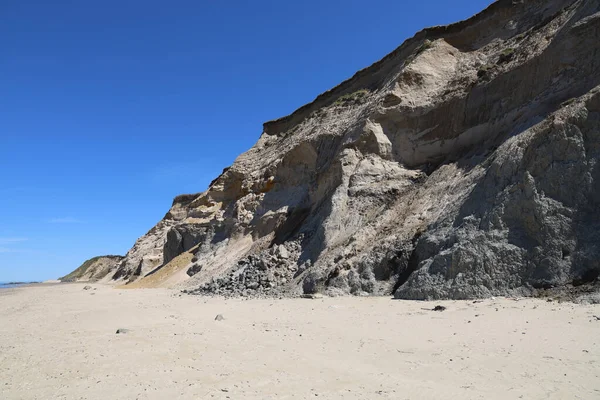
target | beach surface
[{"x": 60, "y": 342}]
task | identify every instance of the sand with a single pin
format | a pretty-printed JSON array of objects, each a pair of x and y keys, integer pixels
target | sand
[{"x": 59, "y": 342}]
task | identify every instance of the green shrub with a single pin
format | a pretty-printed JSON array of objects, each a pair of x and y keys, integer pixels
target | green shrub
[
  {"x": 424, "y": 46},
  {"x": 351, "y": 97}
]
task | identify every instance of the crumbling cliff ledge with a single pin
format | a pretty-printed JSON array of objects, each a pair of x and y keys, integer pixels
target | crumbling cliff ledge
[{"x": 462, "y": 165}]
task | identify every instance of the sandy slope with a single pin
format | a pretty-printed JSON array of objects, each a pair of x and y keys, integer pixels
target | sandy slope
[{"x": 59, "y": 342}]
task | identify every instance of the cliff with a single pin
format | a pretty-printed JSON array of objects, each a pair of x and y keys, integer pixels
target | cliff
[
  {"x": 94, "y": 269},
  {"x": 463, "y": 164}
]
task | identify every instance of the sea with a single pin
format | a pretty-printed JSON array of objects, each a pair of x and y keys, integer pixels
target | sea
[{"x": 8, "y": 285}]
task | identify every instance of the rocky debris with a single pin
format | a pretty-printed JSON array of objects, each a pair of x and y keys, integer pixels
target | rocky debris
[
  {"x": 263, "y": 274},
  {"x": 219, "y": 317},
  {"x": 592, "y": 298},
  {"x": 588, "y": 293},
  {"x": 462, "y": 165}
]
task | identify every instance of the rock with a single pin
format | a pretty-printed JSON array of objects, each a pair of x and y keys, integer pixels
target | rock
[
  {"x": 122, "y": 331},
  {"x": 87, "y": 287},
  {"x": 439, "y": 308},
  {"x": 282, "y": 252},
  {"x": 182, "y": 238},
  {"x": 312, "y": 282},
  {"x": 219, "y": 317},
  {"x": 194, "y": 269},
  {"x": 589, "y": 298}
]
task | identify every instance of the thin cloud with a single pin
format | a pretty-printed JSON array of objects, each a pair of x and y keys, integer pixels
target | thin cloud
[
  {"x": 5, "y": 240},
  {"x": 5, "y": 250},
  {"x": 65, "y": 220}
]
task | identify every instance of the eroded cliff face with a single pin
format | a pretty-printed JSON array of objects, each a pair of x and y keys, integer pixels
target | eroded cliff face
[
  {"x": 94, "y": 269},
  {"x": 463, "y": 164}
]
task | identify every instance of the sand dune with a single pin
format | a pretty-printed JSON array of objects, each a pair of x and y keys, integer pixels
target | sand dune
[{"x": 59, "y": 342}]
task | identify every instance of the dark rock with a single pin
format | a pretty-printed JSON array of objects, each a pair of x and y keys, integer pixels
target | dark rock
[
  {"x": 182, "y": 238},
  {"x": 194, "y": 269},
  {"x": 312, "y": 282}
]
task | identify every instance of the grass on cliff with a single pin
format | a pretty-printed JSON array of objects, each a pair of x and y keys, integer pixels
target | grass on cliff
[
  {"x": 79, "y": 272},
  {"x": 351, "y": 97},
  {"x": 427, "y": 44}
]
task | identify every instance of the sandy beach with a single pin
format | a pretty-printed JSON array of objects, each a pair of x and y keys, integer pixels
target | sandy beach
[{"x": 60, "y": 342}]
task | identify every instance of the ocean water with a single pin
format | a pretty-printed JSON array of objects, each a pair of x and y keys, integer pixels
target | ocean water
[{"x": 7, "y": 285}]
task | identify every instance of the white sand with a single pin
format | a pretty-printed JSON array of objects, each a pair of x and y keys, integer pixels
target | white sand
[{"x": 59, "y": 342}]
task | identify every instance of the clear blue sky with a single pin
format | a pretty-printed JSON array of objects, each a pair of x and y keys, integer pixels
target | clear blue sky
[{"x": 111, "y": 108}]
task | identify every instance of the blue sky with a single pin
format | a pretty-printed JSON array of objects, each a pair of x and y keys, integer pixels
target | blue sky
[{"x": 111, "y": 108}]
